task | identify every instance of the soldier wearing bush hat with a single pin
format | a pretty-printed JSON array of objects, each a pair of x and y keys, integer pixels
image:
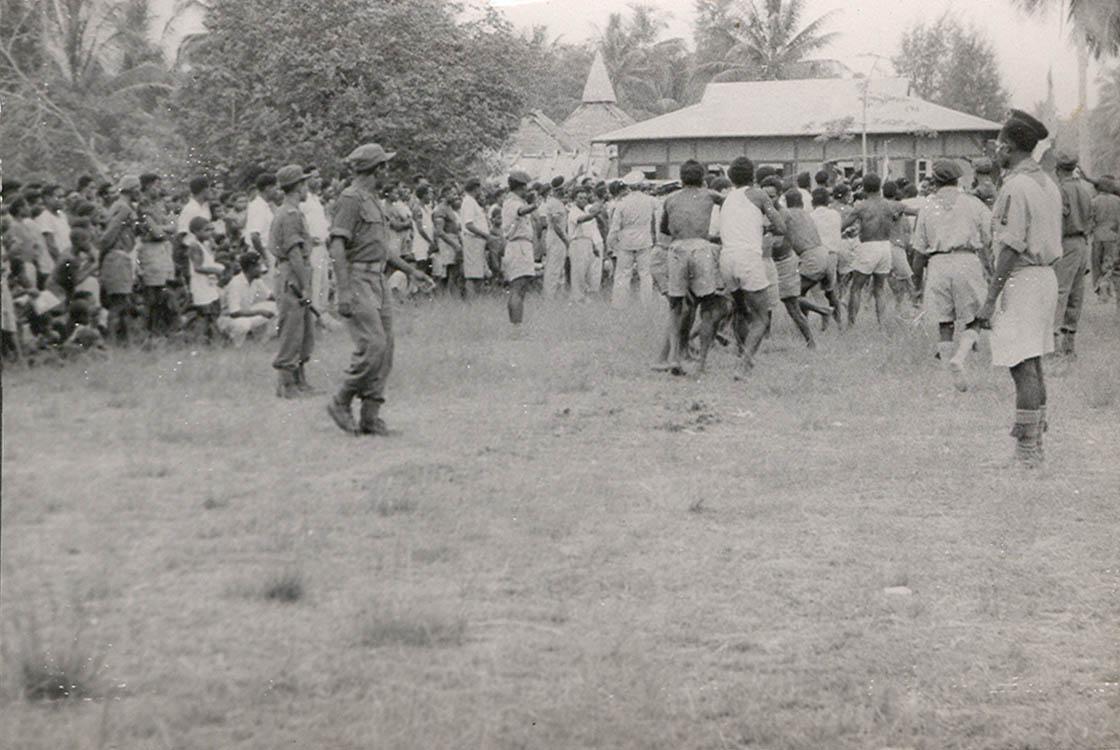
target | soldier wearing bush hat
[
  {"x": 1026, "y": 241},
  {"x": 1077, "y": 227},
  {"x": 291, "y": 247},
  {"x": 361, "y": 253}
]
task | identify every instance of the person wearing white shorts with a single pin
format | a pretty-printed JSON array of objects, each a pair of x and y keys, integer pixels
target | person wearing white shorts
[{"x": 1023, "y": 293}]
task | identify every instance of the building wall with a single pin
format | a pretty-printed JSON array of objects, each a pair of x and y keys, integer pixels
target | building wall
[{"x": 798, "y": 153}]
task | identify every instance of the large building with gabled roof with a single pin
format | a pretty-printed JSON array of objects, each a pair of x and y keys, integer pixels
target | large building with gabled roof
[{"x": 802, "y": 125}]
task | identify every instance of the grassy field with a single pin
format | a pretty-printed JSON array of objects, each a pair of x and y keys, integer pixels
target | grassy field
[{"x": 562, "y": 549}]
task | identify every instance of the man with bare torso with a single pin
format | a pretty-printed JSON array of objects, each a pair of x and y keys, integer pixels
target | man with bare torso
[{"x": 872, "y": 258}]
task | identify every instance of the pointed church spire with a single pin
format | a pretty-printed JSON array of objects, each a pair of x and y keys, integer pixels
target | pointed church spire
[{"x": 598, "y": 87}]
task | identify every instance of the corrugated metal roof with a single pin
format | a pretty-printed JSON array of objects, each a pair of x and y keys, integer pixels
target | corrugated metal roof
[{"x": 803, "y": 107}]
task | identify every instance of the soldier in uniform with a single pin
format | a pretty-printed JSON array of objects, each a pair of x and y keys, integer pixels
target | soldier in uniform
[
  {"x": 117, "y": 265},
  {"x": 952, "y": 230},
  {"x": 518, "y": 266},
  {"x": 1023, "y": 293},
  {"x": 1077, "y": 227},
  {"x": 360, "y": 250},
  {"x": 984, "y": 186},
  {"x": 291, "y": 247}
]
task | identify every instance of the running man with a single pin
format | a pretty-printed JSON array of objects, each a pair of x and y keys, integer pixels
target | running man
[
  {"x": 952, "y": 231},
  {"x": 872, "y": 259}
]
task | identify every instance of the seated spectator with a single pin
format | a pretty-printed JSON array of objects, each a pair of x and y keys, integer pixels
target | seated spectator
[{"x": 247, "y": 304}]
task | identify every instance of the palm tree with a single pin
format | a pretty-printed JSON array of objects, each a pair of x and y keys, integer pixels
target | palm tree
[
  {"x": 768, "y": 42},
  {"x": 1097, "y": 22},
  {"x": 1106, "y": 121},
  {"x": 650, "y": 74}
]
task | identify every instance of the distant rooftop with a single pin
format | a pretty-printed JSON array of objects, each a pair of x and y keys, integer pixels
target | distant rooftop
[
  {"x": 598, "y": 87},
  {"x": 801, "y": 107}
]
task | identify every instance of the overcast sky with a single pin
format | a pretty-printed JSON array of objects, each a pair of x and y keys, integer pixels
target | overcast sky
[{"x": 1027, "y": 47}]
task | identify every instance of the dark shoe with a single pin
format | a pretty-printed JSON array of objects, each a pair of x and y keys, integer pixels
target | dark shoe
[
  {"x": 342, "y": 416},
  {"x": 303, "y": 387},
  {"x": 286, "y": 384},
  {"x": 369, "y": 423}
]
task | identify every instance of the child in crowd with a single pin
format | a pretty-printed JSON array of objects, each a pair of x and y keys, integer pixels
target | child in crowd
[{"x": 204, "y": 275}]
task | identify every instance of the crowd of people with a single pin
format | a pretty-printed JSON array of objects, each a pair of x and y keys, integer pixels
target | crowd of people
[{"x": 104, "y": 265}]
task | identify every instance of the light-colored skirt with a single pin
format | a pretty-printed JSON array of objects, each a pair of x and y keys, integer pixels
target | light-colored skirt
[{"x": 1023, "y": 322}]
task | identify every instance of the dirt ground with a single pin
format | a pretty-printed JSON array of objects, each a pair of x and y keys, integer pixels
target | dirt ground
[{"x": 562, "y": 549}]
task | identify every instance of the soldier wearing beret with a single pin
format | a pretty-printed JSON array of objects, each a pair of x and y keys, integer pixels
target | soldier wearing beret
[
  {"x": 953, "y": 230},
  {"x": 359, "y": 246},
  {"x": 984, "y": 183},
  {"x": 1077, "y": 227},
  {"x": 291, "y": 247},
  {"x": 1023, "y": 293}
]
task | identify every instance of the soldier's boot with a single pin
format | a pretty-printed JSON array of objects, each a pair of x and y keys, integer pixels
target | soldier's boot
[
  {"x": 339, "y": 410},
  {"x": 958, "y": 361},
  {"x": 302, "y": 386},
  {"x": 369, "y": 421},
  {"x": 1028, "y": 435},
  {"x": 286, "y": 384},
  {"x": 1068, "y": 350}
]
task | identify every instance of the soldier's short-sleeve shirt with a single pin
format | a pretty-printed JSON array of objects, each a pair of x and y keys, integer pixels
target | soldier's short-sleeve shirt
[
  {"x": 1027, "y": 216},
  {"x": 1077, "y": 207},
  {"x": 360, "y": 221},
  {"x": 289, "y": 233}
]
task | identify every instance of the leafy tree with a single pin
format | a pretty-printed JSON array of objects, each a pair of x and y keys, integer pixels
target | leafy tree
[
  {"x": 1104, "y": 124},
  {"x": 307, "y": 80},
  {"x": 651, "y": 75},
  {"x": 552, "y": 73},
  {"x": 762, "y": 41},
  {"x": 953, "y": 65},
  {"x": 1095, "y": 21},
  {"x": 84, "y": 88}
]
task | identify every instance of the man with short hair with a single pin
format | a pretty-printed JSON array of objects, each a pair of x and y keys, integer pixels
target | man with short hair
[
  {"x": 804, "y": 183},
  {"x": 359, "y": 248},
  {"x": 815, "y": 265},
  {"x": 693, "y": 267},
  {"x": 518, "y": 264},
  {"x": 872, "y": 260},
  {"x": 53, "y": 223},
  {"x": 744, "y": 211},
  {"x": 157, "y": 266},
  {"x": 258, "y": 220},
  {"x": 198, "y": 205},
  {"x": 476, "y": 232},
  {"x": 555, "y": 239},
  {"x": 952, "y": 230},
  {"x": 582, "y": 249},
  {"x": 247, "y": 304},
  {"x": 1106, "y": 239},
  {"x": 1027, "y": 236},
  {"x": 1077, "y": 227},
  {"x": 632, "y": 236},
  {"x": 423, "y": 230},
  {"x": 318, "y": 229}
]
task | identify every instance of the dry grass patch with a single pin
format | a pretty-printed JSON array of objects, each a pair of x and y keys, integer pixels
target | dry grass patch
[
  {"x": 285, "y": 586},
  {"x": 56, "y": 661},
  {"x": 412, "y": 626}
]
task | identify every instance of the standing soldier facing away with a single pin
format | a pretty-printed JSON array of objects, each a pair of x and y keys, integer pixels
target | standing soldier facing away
[
  {"x": 360, "y": 251},
  {"x": 1077, "y": 228},
  {"x": 291, "y": 247}
]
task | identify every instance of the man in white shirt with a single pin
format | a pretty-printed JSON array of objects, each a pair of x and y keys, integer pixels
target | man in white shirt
[
  {"x": 586, "y": 258},
  {"x": 53, "y": 222},
  {"x": 631, "y": 239},
  {"x": 247, "y": 304},
  {"x": 476, "y": 231},
  {"x": 741, "y": 220},
  {"x": 198, "y": 205},
  {"x": 258, "y": 219},
  {"x": 318, "y": 227}
]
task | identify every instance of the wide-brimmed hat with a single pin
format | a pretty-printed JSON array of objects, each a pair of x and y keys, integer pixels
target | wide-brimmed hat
[
  {"x": 290, "y": 175},
  {"x": 369, "y": 155}
]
